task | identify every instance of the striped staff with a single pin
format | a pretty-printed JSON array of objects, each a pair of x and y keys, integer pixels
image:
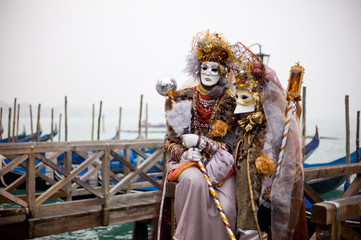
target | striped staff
[
  {"x": 293, "y": 95},
  {"x": 216, "y": 201}
]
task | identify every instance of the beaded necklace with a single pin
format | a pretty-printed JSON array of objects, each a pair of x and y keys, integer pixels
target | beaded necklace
[{"x": 198, "y": 127}]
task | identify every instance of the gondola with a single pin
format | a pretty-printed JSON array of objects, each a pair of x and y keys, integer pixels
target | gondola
[
  {"x": 19, "y": 137},
  {"x": 22, "y": 137},
  {"x": 18, "y": 171},
  {"x": 312, "y": 145},
  {"x": 328, "y": 184}
]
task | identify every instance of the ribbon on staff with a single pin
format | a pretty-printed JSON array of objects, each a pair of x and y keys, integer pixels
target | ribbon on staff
[{"x": 216, "y": 201}]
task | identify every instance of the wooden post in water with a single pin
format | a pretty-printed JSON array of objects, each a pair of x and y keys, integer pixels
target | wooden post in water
[
  {"x": 1, "y": 123},
  {"x": 52, "y": 125},
  {"x": 358, "y": 137},
  {"x": 31, "y": 123},
  {"x": 303, "y": 122},
  {"x": 119, "y": 123},
  {"x": 140, "y": 117},
  {"x": 9, "y": 125},
  {"x": 93, "y": 114},
  {"x": 146, "y": 121},
  {"x": 59, "y": 127},
  {"x": 99, "y": 118},
  {"x": 17, "y": 123},
  {"x": 66, "y": 119},
  {"x": 13, "y": 136},
  {"x": 347, "y": 133},
  {"x": 38, "y": 124}
]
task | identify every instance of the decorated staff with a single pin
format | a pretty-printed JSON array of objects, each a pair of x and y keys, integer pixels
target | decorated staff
[
  {"x": 293, "y": 96},
  {"x": 216, "y": 200}
]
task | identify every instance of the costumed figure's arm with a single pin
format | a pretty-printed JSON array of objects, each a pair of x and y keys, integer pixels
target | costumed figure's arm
[
  {"x": 180, "y": 156},
  {"x": 215, "y": 156}
]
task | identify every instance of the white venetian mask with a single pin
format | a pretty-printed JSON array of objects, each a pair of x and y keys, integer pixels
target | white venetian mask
[
  {"x": 245, "y": 101},
  {"x": 210, "y": 73}
]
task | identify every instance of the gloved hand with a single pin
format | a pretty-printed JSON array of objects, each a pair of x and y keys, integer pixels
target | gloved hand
[
  {"x": 190, "y": 140},
  {"x": 192, "y": 154},
  {"x": 264, "y": 217}
]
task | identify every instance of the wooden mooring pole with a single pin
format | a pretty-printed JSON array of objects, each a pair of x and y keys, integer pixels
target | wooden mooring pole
[
  {"x": 347, "y": 133},
  {"x": 38, "y": 124},
  {"x": 52, "y": 125},
  {"x": 31, "y": 123},
  {"x": 146, "y": 121},
  {"x": 17, "y": 123},
  {"x": 66, "y": 119},
  {"x": 140, "y": 117},
  {"x": 93, "y": 114},
  {"x": 9, "y": 125},
  {"x": 14, "y": 119},
  {"x": 120, "y": 121},
  {"x": 1, "y": 123},
  {"x": 59, "y": 127},
  {"x": 358, "y": 137},
  {"x": 99, "y": 119}
]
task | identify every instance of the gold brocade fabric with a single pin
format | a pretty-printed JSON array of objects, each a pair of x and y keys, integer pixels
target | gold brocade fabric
[
  {"x": 245, "y": 214},
  {"x": 251, "y": 120}
]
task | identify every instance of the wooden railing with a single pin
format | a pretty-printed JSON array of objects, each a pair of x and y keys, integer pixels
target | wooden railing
[
  {"x": 84, "y": 205},
  {"x": 117, "y": 198},
  {"x": 330, "y": 216}
]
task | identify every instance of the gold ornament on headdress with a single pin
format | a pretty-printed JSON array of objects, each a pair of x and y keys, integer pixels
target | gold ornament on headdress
[{"x": 213, "y": 47}]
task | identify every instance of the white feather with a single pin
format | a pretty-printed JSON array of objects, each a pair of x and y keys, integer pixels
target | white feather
[{"x": 180, "y": 116}]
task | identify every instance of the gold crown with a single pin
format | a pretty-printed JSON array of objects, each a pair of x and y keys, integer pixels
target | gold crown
[{"x": 212, "y": 47}]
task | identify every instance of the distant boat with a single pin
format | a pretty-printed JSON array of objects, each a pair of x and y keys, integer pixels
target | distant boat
[
  {"x": 116, "y": 136},
  {"x": 19, "y": 137},
  {"x": 150, "y": 125},
  {"x": 22, "y": 137},
  {"x": 47, "y": 137},
  {"x": 42, "y": 138},
  {"x": 312, "y": 145}
]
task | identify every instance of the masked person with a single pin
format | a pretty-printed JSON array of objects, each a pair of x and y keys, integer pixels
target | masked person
[
  {"x": 266, "y": 203},
  {"x": 197, "y": 120}
]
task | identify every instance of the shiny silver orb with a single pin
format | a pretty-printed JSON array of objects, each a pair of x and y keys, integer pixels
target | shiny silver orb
[{"x": 166, "y": 84}]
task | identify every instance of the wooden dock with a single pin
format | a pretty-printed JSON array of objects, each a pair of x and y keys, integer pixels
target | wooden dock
[
  {"x": 83, "y": 206},
  {"x": 86, "y": 206},
  {"x": 330, "y": 217}
]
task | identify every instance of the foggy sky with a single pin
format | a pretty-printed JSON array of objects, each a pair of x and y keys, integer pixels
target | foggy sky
[{"x": 114, "y": 51}]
